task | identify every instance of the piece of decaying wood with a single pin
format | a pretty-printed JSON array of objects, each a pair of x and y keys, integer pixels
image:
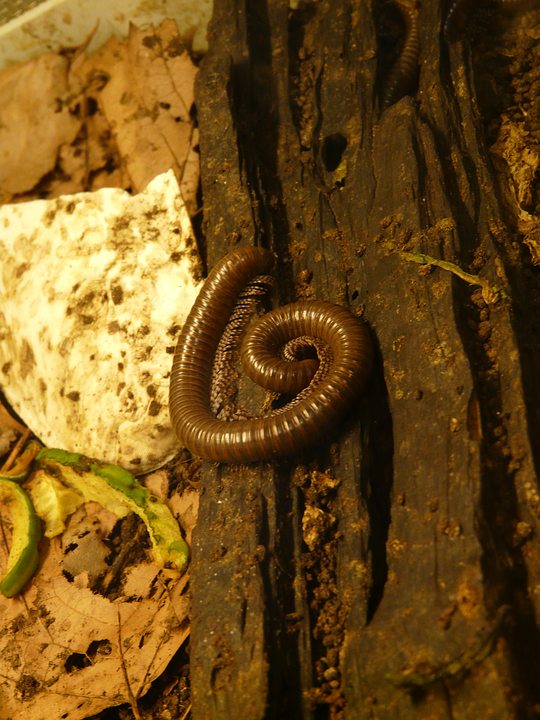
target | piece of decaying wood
[{"x": 435, "y": 470}]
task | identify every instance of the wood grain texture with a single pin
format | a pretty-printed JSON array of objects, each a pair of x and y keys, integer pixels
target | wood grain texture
[{"x": 410, "y": 510}]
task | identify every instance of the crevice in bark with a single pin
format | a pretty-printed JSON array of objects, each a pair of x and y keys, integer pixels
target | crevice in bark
[
  {"x": 425, "y": 213},
  {"x": 504, "y": 570},
  {"x": 499, "y": 94},
  {"x": 333, "y": 147},
  {"x": 197, "y": 223},
  {"x": 254, "y": 109},
  {"x": 509, "y": 582},
  {"x": 319, "y": 572},
  {"x": 300, "y": 79},
  {"x": 525, "y": 290},
  {"x": 465, "y": 229},
  {"x": 376, "y": 475},
  {"x": 276, "y": 575}
]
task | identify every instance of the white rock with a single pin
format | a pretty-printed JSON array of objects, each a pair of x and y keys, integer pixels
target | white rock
[{"x": 94, "y": 289}]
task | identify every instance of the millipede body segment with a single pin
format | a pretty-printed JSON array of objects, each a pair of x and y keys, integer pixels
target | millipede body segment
[
  {"x": 457, "y": 18},
  {"x": 403, "y": 74},
  {"x": 292, "y": 428}
]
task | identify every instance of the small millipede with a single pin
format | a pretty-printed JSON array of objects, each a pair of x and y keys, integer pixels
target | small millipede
[
  {"x": 457, "y": 18},
  {"x": 403, "y": 73},
  {"x": 313, "y": 415}
]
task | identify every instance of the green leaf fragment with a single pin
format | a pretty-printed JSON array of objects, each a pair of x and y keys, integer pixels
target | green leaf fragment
[
  {"x": 53, "y": 501},
  {"x": 60, "y": 456},
  {"x": 23, "y": 559},
  {"x": 121, "y": 493},
  {"x": 124, "y": 482}
]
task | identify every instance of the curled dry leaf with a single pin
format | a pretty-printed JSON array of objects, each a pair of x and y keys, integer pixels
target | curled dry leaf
[
  {"x": 7, "y": 439},
  {"x": 7, "y": 422}
]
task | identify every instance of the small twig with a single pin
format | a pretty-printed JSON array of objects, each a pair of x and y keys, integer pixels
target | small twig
[
  {"x": 490, "y": 293},
  {"x": 16, "y": 450},
  {"x": 131, "y": 696},
  {"x": 186, "y": 713}
]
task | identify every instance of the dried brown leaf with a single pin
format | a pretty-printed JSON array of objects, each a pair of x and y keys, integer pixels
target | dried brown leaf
[
  {"x": 36, "y": 120},
  {"x": 146, "y": 102}
]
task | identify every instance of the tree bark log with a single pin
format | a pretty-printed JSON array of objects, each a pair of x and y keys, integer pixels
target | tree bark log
[{"x": 429, "y": 490}]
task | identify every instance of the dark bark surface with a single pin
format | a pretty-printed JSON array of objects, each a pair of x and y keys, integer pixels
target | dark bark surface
[{"x": 319, "y": 582}]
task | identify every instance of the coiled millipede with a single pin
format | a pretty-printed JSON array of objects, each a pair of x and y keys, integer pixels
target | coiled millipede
[{"x": 311, "y": 415}]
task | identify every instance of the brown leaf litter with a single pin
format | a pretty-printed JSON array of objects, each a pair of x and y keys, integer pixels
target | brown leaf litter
[{"x": 71, "y": 123}]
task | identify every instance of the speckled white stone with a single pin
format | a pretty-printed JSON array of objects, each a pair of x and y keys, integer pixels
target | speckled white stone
[{"x": 94, "y": 289}]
